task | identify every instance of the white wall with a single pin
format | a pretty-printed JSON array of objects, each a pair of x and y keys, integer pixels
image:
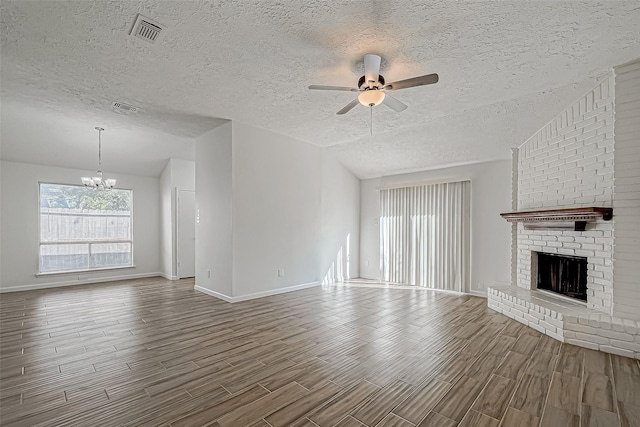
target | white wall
[
  {"x": 177, "y": 174},
  {"x": 279, "y": 204},
  {"x": 626, "y": 196},
  {"x": 276, "y": 210},
  {"x": 339, "y": 245},
  {"x": 214, "y": 238},
  {"x": 295, "y": 208},
  {"x": 19, "y": 225},
  {"x": 166, "y": 223},
  {"x": 490, "y": 234}
]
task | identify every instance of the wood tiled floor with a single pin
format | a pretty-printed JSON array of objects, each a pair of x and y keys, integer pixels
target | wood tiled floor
[{"x": 155, "y": 352}]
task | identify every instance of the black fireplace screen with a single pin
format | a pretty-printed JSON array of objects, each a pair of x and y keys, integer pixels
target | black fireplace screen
[{"x": 566, "y": 275}]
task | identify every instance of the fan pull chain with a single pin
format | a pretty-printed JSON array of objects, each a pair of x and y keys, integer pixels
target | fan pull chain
[{"x": 371, "y": 120}]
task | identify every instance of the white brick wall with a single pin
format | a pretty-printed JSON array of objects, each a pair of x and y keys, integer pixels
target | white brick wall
[
  {"x": 569, "y": 162},
  {"x": 571, "y": 323},
  {"x": 626, "y": 200}
]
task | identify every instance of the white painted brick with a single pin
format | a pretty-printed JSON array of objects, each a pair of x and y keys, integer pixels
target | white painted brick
[
  {"x": 521, "y": 320},
  {"x": 621, "y": 336},
  {"x": 580, "y": 343},
  {"x": 548, "y": 326},
  {"x": 605, "y": 324},
  {"x": 554, "y": 321},
  {"x": 517, "y": 313},
  {"x": 616, "y": 350},
  {"x": 536, "y": 313},
  {"x": 626, "y": 345},
  {"x": 593, "y": 338},
  {"x": 531, "y": 319},
  {"x": 583, "y": 321},
  {"x": 509, "y": 315},
  {"x": 630, "y": 326},
  {"x": 556, "y": 336},
  {"x": 567, "y": 163},
  {"x": 617, "y": 325},
  {"x": 536, "y": 327},
  {"x": 575, "y": 327}
]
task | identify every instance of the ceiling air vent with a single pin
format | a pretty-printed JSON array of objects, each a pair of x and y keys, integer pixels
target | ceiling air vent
[
  {"x": 123, "y": 108},
  {"x": 146, "y": 29}
]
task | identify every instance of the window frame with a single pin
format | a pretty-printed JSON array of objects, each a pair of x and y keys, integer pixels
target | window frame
[{"x": 89, "y": 242}]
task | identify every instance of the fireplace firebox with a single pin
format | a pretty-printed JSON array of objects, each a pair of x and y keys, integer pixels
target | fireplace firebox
[{"x": 562, "y": 274}]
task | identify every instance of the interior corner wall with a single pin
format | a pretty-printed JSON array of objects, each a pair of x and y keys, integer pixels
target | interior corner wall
[
  {"x": 277, "y": 184},
  {"x": 268, "y": 203},
  {"x": 177, "y": 174},
  {"x": 339, "y": 245},
  {"x": 490, "y": 234},
  {"x": 214, "y": 238},
  {"x": 19, "y": 241},
  {"x": 626, "y": 193},
  {"x": 166, "y": 224}
]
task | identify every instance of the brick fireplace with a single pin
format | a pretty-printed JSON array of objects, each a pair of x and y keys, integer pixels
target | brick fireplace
[{"x": 570, "y": 164}]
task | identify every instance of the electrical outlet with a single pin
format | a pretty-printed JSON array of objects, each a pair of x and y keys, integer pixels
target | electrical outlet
[
  {"x": 209, "y": 274},
  {"x": 281, "y": 272}
]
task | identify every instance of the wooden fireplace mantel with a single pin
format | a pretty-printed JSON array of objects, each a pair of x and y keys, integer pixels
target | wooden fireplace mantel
[{"x": 563, "y": 219}]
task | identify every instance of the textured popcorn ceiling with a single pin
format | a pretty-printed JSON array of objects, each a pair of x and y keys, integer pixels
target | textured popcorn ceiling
[{"x": 506, "y": 68}]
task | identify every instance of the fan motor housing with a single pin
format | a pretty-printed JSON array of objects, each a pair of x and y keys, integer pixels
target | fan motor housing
[{"x": 362, "y": 80}]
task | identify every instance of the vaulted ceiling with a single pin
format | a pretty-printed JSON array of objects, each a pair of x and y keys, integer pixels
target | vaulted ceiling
[{"x": 506, "y": 68}]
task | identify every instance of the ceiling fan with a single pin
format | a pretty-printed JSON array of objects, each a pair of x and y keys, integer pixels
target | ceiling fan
[{"x": 373, "y": 89}]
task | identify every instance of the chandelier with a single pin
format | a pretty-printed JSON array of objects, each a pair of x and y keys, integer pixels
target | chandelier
[{"x": 97, "y": 182}]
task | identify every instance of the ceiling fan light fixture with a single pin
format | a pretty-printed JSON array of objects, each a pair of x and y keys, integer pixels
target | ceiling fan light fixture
[{"x": 370, "y": 98}]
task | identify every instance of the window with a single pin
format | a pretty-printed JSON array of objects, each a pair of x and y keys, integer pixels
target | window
[{"x": 83, "y": 229}]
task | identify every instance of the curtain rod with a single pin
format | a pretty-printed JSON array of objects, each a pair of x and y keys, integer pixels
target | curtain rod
[{"x": 419, "y": 184}]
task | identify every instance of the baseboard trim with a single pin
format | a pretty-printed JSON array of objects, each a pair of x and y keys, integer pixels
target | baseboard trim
[
  {"x": 257, "y": 294},
  {"x": 477, "y": 293},
  {"x": 36, "y": 286},
  {"x": 168, "y": 277},
  {"x": 213, "y": 293}
]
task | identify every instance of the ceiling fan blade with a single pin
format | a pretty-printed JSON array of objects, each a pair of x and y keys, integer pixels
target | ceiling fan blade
[
  {"x": 428, "y": 79},
  {"x": 393, "y": 103},
  {"x": 348, "y": 107},
  {"x": 342, "y": 88},
  {"x": 371, "y": 68}
]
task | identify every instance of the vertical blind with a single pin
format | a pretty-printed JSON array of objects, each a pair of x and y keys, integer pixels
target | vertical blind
[{"x": 424, "y": 235}]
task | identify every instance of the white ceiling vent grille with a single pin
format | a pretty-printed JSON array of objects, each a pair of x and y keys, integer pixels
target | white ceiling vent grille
[
  {"x": 147, "y": 30},
  {"x": 122, "y": 108}
]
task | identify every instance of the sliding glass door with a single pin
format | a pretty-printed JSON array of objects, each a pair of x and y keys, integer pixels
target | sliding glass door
[{"x": 424, "y": 235}]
